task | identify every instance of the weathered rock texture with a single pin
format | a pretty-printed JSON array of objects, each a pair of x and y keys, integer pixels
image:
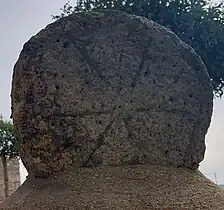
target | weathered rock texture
[
  {"x": 95, "y": 93},
  {"x": 13, "y": 175},
  {"x": 122, "y": 188},
  {"x": 109, "y": 89}
]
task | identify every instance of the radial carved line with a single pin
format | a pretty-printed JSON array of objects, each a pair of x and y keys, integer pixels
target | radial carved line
[
  {"x": 92, "y": 64},
  {"x": 141, "y": 65},
  {"x": 82, "y": 114},
  {"x": 99, "y": 143},
  {"x": 132, "y": 134}
]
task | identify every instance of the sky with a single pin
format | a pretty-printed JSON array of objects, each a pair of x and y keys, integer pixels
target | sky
[{"x": 19, "y": 20}]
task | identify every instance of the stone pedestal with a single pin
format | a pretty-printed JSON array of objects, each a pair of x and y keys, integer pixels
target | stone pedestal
[{"x": 128, "y": 187}]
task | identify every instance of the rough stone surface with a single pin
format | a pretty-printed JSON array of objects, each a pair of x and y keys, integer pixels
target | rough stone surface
[
  {"x": 13, "y": 175},
  {"x": 112, "y": 112},
  {"x": 109, "y": 89},
  {"x": 119, "y": 188}
]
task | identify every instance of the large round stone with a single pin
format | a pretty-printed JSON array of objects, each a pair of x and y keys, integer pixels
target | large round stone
[{"x": 107, "y": 88}]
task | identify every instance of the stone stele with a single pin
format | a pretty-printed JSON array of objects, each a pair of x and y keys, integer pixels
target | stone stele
[{"x": 112, "y": 112}]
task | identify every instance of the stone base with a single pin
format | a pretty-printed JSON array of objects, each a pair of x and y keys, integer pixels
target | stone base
[{"x": 133, "y": 187}]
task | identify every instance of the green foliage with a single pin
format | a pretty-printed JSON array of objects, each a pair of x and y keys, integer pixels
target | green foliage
[
  {"x": 8, "y": 140},
  {"x": 199, "y": 23}
]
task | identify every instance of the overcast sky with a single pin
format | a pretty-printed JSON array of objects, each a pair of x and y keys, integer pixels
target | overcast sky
[{"x": 19, "y": 20}]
